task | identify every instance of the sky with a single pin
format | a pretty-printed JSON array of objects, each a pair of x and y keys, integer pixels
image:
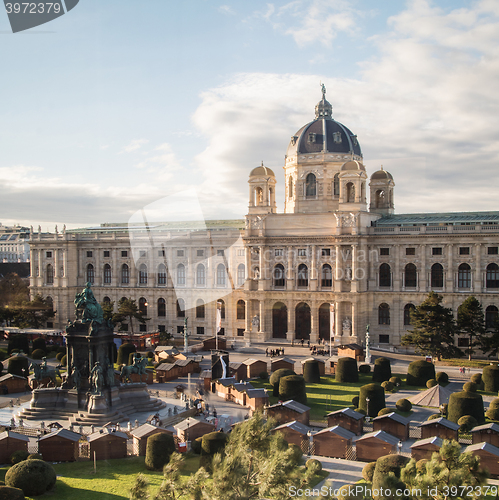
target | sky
[{"x": 120, "y": 103}]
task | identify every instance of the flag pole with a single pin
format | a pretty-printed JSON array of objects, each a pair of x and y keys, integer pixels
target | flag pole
[{"x": 332, "y": 326}]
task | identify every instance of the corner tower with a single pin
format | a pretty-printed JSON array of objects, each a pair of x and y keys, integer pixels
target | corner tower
[
  {"x": 381, "y": 187},
  {"x": 262, "y": 191}
]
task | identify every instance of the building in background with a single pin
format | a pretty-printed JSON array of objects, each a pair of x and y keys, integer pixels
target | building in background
[{"x": 14, "y": 243}]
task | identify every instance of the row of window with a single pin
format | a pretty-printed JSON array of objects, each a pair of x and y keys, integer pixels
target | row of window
[{"x": 439, "y": 251}]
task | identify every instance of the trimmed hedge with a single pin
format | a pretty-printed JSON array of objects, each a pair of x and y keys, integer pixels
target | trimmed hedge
[
  {"x": 263, "y": 376},
  {"x": 275, "y": 378},
  {"x": 384, "y": 466},
  {"x": 17, "y": 364},
  {"x": 376, "y": 395},
  {"x": 434, "y": 416},
  {"x": 467, "y": 423},
  {"x": 355, "y": 401},
  {"x": 368, "y": 471},
  {"x": 403, "y": 405},
  {"x": 293, "y": 387},
  {"x": 346, "y": 370},
  {"x": 313, "y": 465},
  {"x": 365, "y": 369},
  {"x": 35, "y": 456},
  {"x": 382, "y": 370},
  {"x": 196, "y": 445},
  {"x": 470, "y": 387},
  {"x": 431, "y": 383},
  {"x": 39, "y": 343},
  {"x": 59, "y": 356},
  {"x": 387, "y": 385},
  {"x": 159, "y": 448},
  {"x": 396, "y": 381},
  {"x": 442, "y": 378},
  {"x": 465, "y": 403},
  {"x": 34, "y": 477},
  {"x": 64, "y": 360},
  {"x": 9, "y": 493},
  {"x": 476, "y": 378},
  {"x": 384, "y": 411},
  {"x": 213, "y": 442},
  {"x": 490, "y": 378},
  {"x": 19, "y": 456},
  {"x": 311, "y": 372},
  {"x": 419, "y": 372},
  {"x": 18, "y": 343},
  {"x": 38, "y": 354},
  {"x": 124, "y": 353}
]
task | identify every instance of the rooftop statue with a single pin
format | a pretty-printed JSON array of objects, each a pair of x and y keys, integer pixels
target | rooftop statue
[{"x": 87, "y": 307}]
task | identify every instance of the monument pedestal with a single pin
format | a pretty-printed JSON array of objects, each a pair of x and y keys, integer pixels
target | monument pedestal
[{"x": 97, "y": 404}]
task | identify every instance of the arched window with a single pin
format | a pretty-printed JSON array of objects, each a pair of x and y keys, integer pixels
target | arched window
[
  {"x": 407, "y": 313},
  {"x": 161, "y": 307},
  {"x": 200, "y": 275},
  {"x": 410, "y": 276},
  {"x": 336, "y": 184},
  {"x": 221, "y": 275},
  {"x": 162, "y": 274},
  {"x": 302, "y": 275},
  {"x": 303, "y": 321},
  {"x": 125, "y": 274},
  {"x": 327, "y": 276},
  {"x": 90, "y": 273},
  {"x": 106, "y": 299},
  {"x": 200, "y": 309},
  {"x": 350, "y": 193},
  {"x": 50, "y": 274},
  {"x": 143, "y": 274},
  {"x": 380, "y": 198},
  {"x": 241, "y": 309},
  {"x": 437, "y": 276},
  {"x": 107, "y": 274},
  {"x": 222, "y": 308},
  {"x": 325, "y": 321},
  {"x": 290, "y": 190},
  {"x": 180, "y": 308},
  {"x": 385, "y": 275},
  {"x": 258, "y": 196},
  {"x": 181, "y": 274},
  {"x": 464, "y": 276},
  {"x": 279, "y": 320},
  {"x": 241, "y": 274},
  {"x": 279, "y": 277},
  {"x": 492, "y": 277},
  {"x": 143, "y": 306},
  {"x": 384, "y": 314},
  {"x": 491, "y": 314},
  {"x": 310, "y": 186}
]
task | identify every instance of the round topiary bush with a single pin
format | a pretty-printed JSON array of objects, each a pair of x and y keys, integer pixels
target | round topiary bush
[
  {"x": 419, "y": 372},
  {"x": 466, "y": 423},
  {"x": 368, "y": 471},
  {"x": 18, "y": 343},
  {"x": 213, "y": 442},
  {"x": 263, "y": 376},
  {"x": 441, "y": 378},
  {"x": 382, "y": 370},
  {"x": 490, "y": 378},
  {"x": 493, "y": 411},
  {"x": 431, "y": 383},
  {"x": 465, "y": 403},
  {"x": 59, "y": 356},
  {"x": 403, "y": 405},
  {"x": 124, "y": 353},
  {"x": 355, "y": 401},
  {"x": 35, "y": 456},
  {"x": 276, "y": 376},
  {"x": 311, "y": 372},
  {"x": 159, "y": 448},
  {"x": 434, "y": 416},
  {"x": 313, "y": 465},
  {"x": 365, "y": 369},
  {"x": 396, "y": 381},
  {"x": 470, "y": 387},
  {"x": 196, "y": 445},
  {"x": 384, "y": 411},
  {"x": 384, "y": 466},
  {"x": 19, "y": 365},
  {"x": 376, "y": 395},
  {"x": 476, "y": 378},
  {"x": 346, "y": 370},
  {"x": 361, "y": 410},
  {"x": 19, "y": 456},
  {"x": 38, "y": 354},
  {"x": 34, "y": 477},
  {"x": 387, "y": 385},
  {"x": 39, "y": 343},
  {"x": 9, "y": 493},
  {"x": 293, "y": 387},
  {"x": 150, "y": 354},
  {"x": 1, "y": 368},
  {"x": 64, "y": 360}
]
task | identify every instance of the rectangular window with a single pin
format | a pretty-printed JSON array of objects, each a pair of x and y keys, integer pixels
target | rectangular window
[
  {"x": 384, "y": 251},
  {"x": 200, "y": 330},
  {"x": 220, "y": 253},
  {"x": 493, "y": 250},
  {"x": 222, "y": 331},
  {"x": 143, "y": 327},
  {"x": 463, "y": 342},
  {"x": 180, "y": 253},
  {"x": 50, "y": 324},
  {"x": 200, "y": 253},
  {"x": 464, "y": 250},
  {"x": 161, "y": 253},
  {"x": 48, "y": 255},
  {"x": 106, "y": 253},
  {"x": 240, "y": 252},
  {"x": 240, "y": 332},
  {"x": 410, "y": 251},
  {"x": 89, "y": 253},
  {"x": 302, "y": 252},
  {"x": 124, "y": 253},
  {"x": 279, "y": 252},
  {"x": 436, "y": 251},
  {"x": 337, "y": 137},
  {"x": 124, "y": 327},
  {"x": 142, "y": 253},
  {"x": 161, "y": 328},
  {"x": 384, "y": 339},
  {"x": 180, "y": 329},
  {"x": 326, "y": 252}
]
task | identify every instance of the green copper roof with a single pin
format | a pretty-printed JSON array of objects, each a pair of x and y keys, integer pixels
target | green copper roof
[{"x": 440, "y": 218}]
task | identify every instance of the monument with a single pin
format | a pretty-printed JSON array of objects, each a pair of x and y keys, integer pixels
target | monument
[{"x": 91, "y": 392}]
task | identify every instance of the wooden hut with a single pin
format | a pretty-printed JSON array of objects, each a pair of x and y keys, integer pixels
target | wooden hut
[
  {"x": 238, "y": 370},
  {"x": 354, "y": 351},
  {"x": 347, "y": 418},
  {"x": 254, "y": 367},
  {"x": 205, "y": 376},
  {"x": 373, "y": 445},
  {"x": 165, "y": 353},
  {"x": 11, "y": 442},
  {"x": 334, "y": 442},
  {"x": 294, "y": 433},
  {"x": 322, "y": 365},
  {"x": 393, "y": 424},
  {"x": 192, "y": 428},
  {"x": 223, "y": 387},
  {"x": 488, "y": 433},
  {"x": 257, "y": 399},
  {"x": 283, "y": 362},
  {"x": 289, "y": 411},
  {"x": 489, "y": 456},
  {"x": 424, "y": 448},
  {"x": 108, "y": 444},
  {"x": 59, "y": 446},
  {"x": 166, "y": 371},
  {"x": 331, "y": 365},
  {"x": 10, "y": 384},
  {"x": 140, "y": 435},
  {"x": 440, "y": 427},
  {"x": 239, "y": 393}
]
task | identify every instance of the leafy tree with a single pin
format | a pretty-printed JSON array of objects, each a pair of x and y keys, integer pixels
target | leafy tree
[
  {"x": 471, "y": 322},
  {"x": 108, "y": 309},
  {"x": 139, "y": 490},
  {"x": 13, "y": 290},
  {"x": 449, "y": 471},
  {"x": 434, "y": 328},
  {"x": 165, "y": 337},
  {"x": 127, "y": 312},
  {"x": 33, "y": 313}
]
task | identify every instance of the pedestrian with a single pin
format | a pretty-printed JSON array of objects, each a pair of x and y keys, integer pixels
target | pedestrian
[
  {"x": 469, "y": 370},
  {"x": 266, "y": 352},
  {"x": 282, "y": 350}
]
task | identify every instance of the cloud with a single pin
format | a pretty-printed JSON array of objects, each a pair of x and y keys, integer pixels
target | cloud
[
  {"x": 163, "y": 165},
  {"x": 227, "y": 10},
  {"x": 134, "y": 145}
]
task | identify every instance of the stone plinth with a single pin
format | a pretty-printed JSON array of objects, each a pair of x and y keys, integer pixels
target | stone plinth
[{"x": 97, "y": 404}]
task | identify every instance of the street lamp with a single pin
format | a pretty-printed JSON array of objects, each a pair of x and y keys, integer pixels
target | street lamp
[
  {"x": 399, "y": 444},
  {"x": 309, "y": 435},
  {"x": 368, "y": 418}
]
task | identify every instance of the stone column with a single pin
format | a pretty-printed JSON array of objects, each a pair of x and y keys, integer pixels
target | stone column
[
  {"x": 396, "y": 274},
  {"x": 477, "y": 284},
  {"x": 449, "y": 276},
  {"x": 423, "y": 275},
  {"x": 290, "y": 283},
  {"x": 313, "y": 270},
  {"x": 314, "y": 320},
  {"x": 291, "y": 320},
  {"x": 354, "y": 326}
]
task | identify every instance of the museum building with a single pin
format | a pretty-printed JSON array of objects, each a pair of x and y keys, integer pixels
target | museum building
[{"x": 337, "y": 256}]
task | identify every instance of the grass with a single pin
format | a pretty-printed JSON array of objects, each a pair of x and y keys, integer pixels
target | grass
[{"x": 474, "y": 363}]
